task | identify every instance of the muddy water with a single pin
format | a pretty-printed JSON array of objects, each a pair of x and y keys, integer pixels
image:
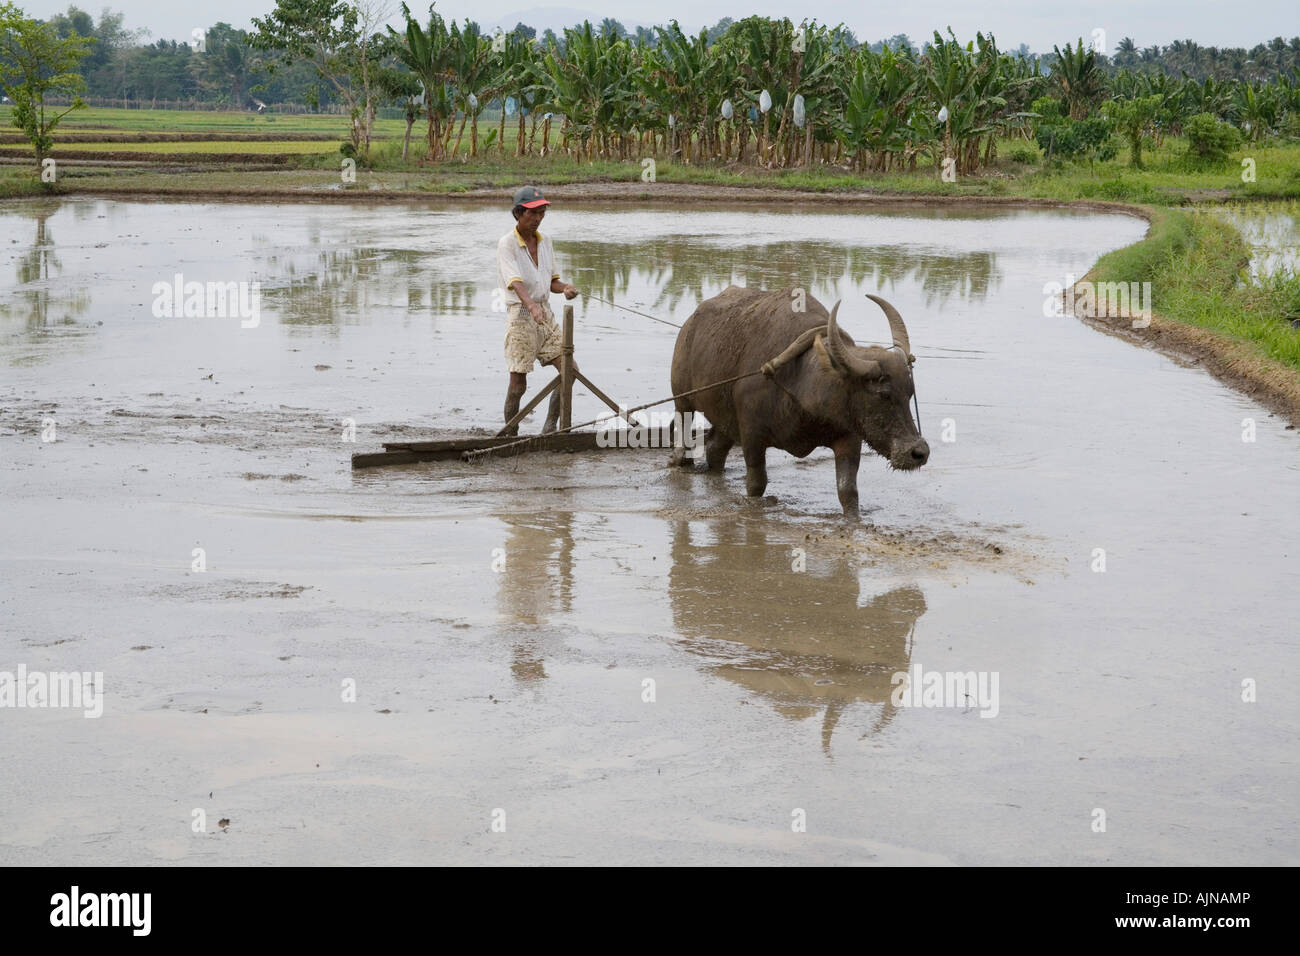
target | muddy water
[
  {"x": 518, "y": 694},
  {"x": 1272, "y": 232}
]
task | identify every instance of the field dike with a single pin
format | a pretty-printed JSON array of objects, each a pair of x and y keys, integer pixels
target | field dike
[{"x": 1233, "y": 361}]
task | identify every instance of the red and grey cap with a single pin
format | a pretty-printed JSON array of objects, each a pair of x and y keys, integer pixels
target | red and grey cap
[{"x": 530, "y": 197}]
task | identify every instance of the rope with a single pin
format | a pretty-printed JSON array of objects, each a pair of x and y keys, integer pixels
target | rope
[{"x": 633, "y": 311}]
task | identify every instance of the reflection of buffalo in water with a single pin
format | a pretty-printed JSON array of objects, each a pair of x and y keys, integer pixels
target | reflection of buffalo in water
[{"x": 798, "y": 639}]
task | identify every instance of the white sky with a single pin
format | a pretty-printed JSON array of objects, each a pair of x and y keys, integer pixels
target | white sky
[{"x": 1039, "y": 24}]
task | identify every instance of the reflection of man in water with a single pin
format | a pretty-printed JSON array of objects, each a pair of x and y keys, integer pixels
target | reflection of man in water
[
  {"x": 529, "y": 593},
  {"x": 526, "y": 264}
]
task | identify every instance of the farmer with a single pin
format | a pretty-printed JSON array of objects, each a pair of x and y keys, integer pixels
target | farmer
[{"x": 526, "y": 263}]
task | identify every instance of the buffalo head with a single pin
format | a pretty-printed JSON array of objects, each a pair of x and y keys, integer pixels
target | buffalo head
[{"x": 874, "y": 389}]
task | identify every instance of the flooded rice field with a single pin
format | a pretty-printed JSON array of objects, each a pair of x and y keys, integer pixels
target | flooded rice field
[
  {"x": 593, "y": 658},
  {"x": 1272, "y": 233}
]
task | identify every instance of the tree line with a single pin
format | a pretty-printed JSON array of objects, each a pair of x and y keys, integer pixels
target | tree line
[{"x": 756, "y": 90}]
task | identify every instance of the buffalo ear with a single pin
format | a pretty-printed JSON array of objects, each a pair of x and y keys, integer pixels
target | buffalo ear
[
  {"x": 824, "y": 357},
  {"x": 872, "y": 370}
]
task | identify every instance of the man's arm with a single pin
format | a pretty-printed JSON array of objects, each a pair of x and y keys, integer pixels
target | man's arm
[
  {"x": 533, "y": 308},
  {"x": 559, "y": 286}
]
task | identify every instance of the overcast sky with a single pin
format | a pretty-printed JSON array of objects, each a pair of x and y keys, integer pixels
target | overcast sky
[{"x": 1039, "y": 24}]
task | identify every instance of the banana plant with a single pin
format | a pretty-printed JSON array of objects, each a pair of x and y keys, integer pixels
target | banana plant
[
  {"x": 948, "y": 73},
  {"x": 1077, "y": 78},
  {"x": 469, "y": 59},
  {"x": 880, "y": 100},
  {"x": 1257, "y": 108},
  {"x": 426, "y": 53}
]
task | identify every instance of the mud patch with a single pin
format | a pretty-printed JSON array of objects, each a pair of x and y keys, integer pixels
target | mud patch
[
  {"x": 939, "y": 551},
  {"x": 266, "y": 591},
  {"x": 235, "y": 590}
]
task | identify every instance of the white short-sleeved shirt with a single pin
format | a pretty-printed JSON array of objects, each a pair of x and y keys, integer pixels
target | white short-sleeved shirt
[{"x": 514, "y": 264}]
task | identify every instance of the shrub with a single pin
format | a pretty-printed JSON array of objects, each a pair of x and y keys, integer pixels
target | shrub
[
  {"x": 1071, "y": 139},
  {"x": 1209, "y": 139},
  {"x": 1048, "y": 109},
  {"x": 1023, "y": 154}
]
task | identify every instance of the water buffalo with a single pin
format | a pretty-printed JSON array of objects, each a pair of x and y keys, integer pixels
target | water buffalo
[{"x": 821, "y": 390}]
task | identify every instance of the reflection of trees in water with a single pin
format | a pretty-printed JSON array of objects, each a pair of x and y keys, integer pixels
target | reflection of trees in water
[
  {"x": 337, "y": 285},
  {"x": 688, "y": 270},
  {"x": 40, "y": 299},
  {"x": 1272, "y": 231},
  {"x": 799, "y": 640},
  {"x": 536, "y": 583}
]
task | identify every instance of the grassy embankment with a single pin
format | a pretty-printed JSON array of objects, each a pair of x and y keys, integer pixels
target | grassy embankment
[{"x": 1208, "y": 310}]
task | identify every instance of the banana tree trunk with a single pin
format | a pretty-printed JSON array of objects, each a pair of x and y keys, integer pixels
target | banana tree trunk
[
  {"x": 460, "y": 135},
  {"x": 532, "y": 133},
  {"x": 432, "y": 154}
]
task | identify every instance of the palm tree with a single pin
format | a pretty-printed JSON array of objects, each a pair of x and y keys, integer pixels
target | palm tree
[{"x": 1126, "y": 54}]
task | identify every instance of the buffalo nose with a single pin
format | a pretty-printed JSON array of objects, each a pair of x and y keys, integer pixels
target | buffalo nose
[{"x": 921, "y": 452}]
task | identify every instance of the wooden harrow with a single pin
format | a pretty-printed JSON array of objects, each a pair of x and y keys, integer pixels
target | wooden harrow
[{"x": 406, "y": 452}]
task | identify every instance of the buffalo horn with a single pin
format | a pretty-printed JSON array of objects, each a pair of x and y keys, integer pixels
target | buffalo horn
[
  {"x": 896, "y": 326},
  {"x": 844, "y": 360}
]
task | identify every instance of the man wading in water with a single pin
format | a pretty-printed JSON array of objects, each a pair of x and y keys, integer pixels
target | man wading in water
[{"x": 526, "y": 263}]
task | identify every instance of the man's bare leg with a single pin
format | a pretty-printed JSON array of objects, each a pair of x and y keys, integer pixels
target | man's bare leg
[{"x": 518, "y": 386}]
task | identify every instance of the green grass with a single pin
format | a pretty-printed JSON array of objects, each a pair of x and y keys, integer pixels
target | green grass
[
  {"x": 17, "y": 181},
  {"x": 208, "y": 121},
  {"x": 1195, "y": 263},
  {"x": 214, "y": 146}
]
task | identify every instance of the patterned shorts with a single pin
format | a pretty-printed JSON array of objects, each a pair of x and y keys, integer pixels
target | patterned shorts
[{"x": 527, "y": 342}]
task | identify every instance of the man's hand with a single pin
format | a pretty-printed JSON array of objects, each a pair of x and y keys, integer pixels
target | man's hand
[
  {"x": 536, "y": 312},
  {"x": 570, "y": 292}
]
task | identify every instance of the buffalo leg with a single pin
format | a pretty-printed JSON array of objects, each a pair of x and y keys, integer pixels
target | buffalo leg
[
  {"x": 848, "y": 453},
  {"x": 682, "y": 426},
  {"x": 716, "y": 447},
  {"x": 755, "y": 469}
]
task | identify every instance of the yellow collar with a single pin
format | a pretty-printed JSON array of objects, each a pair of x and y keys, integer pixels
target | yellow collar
[{"x": 520, "y": 239}]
